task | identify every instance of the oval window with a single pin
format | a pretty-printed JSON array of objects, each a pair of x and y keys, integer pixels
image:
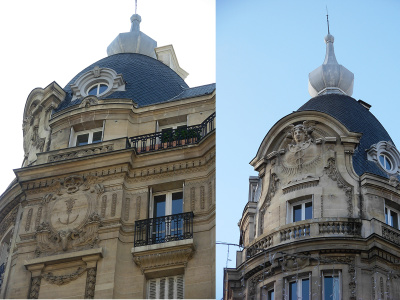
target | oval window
[
  {"x": 97, "y": 89},
  {"x": 385, "y": 162}
]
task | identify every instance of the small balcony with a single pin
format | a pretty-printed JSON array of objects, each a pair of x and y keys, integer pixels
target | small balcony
[
  {"x": 163, "y": 242},
  {"x": 172, "y": 138},
  {"x": 164, "y": 229}
]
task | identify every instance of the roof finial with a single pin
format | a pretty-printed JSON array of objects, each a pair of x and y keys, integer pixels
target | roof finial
[
  {"x": 135, "y": 7},
  {"x": 327, "y": 18}
]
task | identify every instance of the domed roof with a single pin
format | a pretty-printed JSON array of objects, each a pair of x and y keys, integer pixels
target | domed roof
[
  {"x": 356, "y": 118},
  {"x": 147, "y": 80}
]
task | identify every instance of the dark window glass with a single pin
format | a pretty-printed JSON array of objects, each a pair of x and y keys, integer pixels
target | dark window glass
[
  {"x": 93, "y": 91},
  {"x": 82, "y": 139},
  {"x": 331, "y": 288},
  {"x": 102, "y": 89},
  {"x": 394, "y": 219},
  {"x": 97, "y": 137},
  {"x": 293, "y": 290},
  {"x": 177, "y": 203},
  {"x": 297, "y": 213},
  {"x": 159, "y": 206},
  {"x": 308, "y": 212},
  {"x": 305, "y": 289},
  {"x": 271, "y": 295}
]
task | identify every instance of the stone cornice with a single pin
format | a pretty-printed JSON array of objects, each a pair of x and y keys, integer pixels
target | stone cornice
[{"x": 159, "y": 256}]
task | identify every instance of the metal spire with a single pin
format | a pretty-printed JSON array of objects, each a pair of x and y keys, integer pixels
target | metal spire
[
  {"x": 135, "y": 7},
  {"x": 327, "y": 18}
]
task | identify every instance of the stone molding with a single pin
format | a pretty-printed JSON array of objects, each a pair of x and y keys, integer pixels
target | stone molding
[
  {"x": 80, "y": 153},
  {"x": 171, "y": 254},
  {"x": 307, "y": 182},
  {"x": 37, "y": 265},
  {"x": 332, "y": 172}
]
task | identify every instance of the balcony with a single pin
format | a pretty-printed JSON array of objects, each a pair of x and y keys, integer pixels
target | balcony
[
  {"x": 163, "y": 242},
  {"x": 164, "y": 229},
  {"x": 172, "y": 138}
]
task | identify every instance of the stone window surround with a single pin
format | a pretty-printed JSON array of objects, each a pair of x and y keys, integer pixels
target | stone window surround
[
  {"x": 387, "y": 149},
  {"x": 299, "y": 279},
  {"x": 302, "y": 200},
  {"x": 37, "y": 265},
  {"x": 107, "y": 76},
  {"x": 331, "y": 273},
  {"x": 74, "y": 134}
]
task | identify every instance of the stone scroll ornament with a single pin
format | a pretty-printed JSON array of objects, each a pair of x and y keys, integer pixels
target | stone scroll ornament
[
  {"x": 70, "y": 220},
  {"x": 302, "y": 152}
]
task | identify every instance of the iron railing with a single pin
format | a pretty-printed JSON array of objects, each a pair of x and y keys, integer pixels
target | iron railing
[
  {"x": 164, "y": 229},
  {"x": 172, "y": 138}
]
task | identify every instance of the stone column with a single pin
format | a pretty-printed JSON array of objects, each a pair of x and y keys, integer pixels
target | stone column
[
  {"x": 91, "y": 265},
  {"x": 36, "y": 279}
]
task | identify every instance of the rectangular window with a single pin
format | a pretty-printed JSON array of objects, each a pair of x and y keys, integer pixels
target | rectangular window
[
  {"x": 165, "y": 287},
  {"x": 271, "y": 295},
  {"x": 331, "y": 287},
  {"x": 391, "y": 217},
  {"x": 301, "y": 210},
  {"x": 168, "y": 224},
  {"x": 299, "y": 289},
  {"x": 81, "y": 138}
]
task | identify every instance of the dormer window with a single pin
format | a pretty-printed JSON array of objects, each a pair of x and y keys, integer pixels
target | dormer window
[
  {"x": 386, "y": 156},
  {"x": 97, "y": 89}
]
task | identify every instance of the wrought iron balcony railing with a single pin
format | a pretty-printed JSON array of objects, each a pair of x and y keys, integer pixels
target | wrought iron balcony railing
[
  {"x": 172, "y": 138},
  {"x": 164, "y": 229}
]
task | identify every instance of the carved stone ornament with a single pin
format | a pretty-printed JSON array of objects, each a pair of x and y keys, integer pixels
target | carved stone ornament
[
  {"x": 393, "y": 181},
  {"x": 272, "y": 189},
  {"x": 178, "y": 257},
  {"x": 292, "y": 263},
  {"x": 89, "y": 101},
  {"x": 70, "y": 220},
  {"x": 303, "y": 153},
  {"x": 63, "y": 279},
  {"x": 332, "y": 172}
]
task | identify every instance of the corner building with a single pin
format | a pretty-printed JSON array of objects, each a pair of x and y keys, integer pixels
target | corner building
[
  {"x": 116, "y": 195},
  {"x": 322, "y": 218}
]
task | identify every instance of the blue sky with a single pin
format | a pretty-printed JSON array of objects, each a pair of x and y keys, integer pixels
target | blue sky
[{"x": 265, "y": 50}]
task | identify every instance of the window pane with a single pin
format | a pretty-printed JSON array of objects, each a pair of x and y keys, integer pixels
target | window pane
[
  {"x": 388, "y": 165},
  {"x": 177, "y": 203},
  {"x": 331, "y": 288},
  {"x": 297, "y": 213},
  {"x": 159, "y": 206},
  {"x": 93, "y": 91},
  {"x": 102, "y": 88},
  {"x": 394, "y": 219},
  {"x": 82, "y": 139},
  {"x": 271, "y": 295},
  {"x": 386, "y": 216},
  {"x": 97, "y": 136},
  {"x": 293, "y": 290},
  {"x": 382, "y": 160},
  {"x": 308, "y": 214},
  {"x": 305, "y": 289}
]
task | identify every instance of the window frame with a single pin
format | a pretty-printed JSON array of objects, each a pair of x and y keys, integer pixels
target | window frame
[
  {"x": 74, "y": 136},
  {"x": 98, "y": 84},
  {"x": 387, "y": 219},
  {"x": 302, "y": 202},
  {"x": 168, "y": 201},
  {"x": 299, "y": 286},
  {"x": 336, "y": 274}
]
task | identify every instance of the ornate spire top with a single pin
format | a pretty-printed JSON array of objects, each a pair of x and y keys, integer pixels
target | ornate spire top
[
  {"x": 330, "y": 78},
  {"x": 134, "y": 41}
]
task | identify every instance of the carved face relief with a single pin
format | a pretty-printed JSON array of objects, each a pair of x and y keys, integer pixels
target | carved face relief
[
  {"x": 302, "y": 152},
  {"x": 68, "y": 212}
]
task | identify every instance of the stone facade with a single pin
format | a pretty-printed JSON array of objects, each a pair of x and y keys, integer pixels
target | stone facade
[
  {"x": 79, "y": 220},
  {"x": 322, "y": 219}
]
